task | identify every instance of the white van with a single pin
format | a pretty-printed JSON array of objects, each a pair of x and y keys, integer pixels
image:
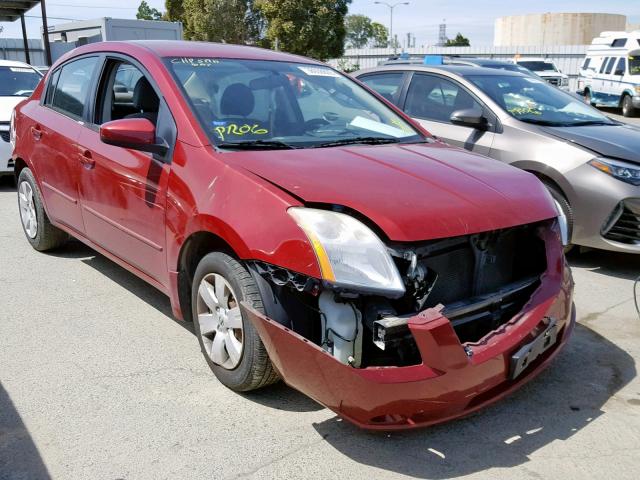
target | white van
[{"x": 610, "y": 73}]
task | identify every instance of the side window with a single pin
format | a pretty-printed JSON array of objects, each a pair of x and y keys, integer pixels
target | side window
[
  {"x": 386, "y": 84},
  {"x": 605, "y": 61},
  {"x": 586, "y": 63},
  {"x": 125, "y": 93},
  {"x": 69, "y": 95},
  {"x": 434, "y": 98},
  {"x": 612, "y": 61},
  {"x": 621, "y": 68}
]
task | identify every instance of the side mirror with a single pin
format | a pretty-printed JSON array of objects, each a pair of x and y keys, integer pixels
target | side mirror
[
  {"x": 133, "y": 133},
  {"x": 469, "y": 118}
]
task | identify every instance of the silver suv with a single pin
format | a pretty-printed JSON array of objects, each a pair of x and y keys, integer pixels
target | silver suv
[{"x": 589, "y": 162}]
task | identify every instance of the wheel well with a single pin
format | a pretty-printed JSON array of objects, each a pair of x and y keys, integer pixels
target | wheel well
[
  {"x": 17, "y": 168},
  {"x": 193, "y": 250},
  {"x": 549, "y": 181}
]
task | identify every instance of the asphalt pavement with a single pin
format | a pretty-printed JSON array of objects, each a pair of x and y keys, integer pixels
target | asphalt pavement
[{"x": 98, "y": 381}]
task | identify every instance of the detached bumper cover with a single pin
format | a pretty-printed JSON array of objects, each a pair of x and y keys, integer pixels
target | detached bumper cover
[{"x": 449, "y": 383}]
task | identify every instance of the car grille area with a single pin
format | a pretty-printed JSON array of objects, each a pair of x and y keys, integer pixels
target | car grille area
[
  {"x": 624, "y": 224},
  {"x": 5, "y": 136},
  {"x": 482, "y": 280}
]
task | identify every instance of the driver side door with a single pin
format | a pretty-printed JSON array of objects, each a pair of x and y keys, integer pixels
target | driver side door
[{"x": 124, "y": 191}]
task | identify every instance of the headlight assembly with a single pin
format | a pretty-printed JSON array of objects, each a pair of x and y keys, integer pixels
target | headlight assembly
[
  {"x": 348, "y": 252},
  {"x": 624, "y": 171}
]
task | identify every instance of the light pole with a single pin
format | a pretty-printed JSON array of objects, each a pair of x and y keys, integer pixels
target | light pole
[{"x": 391, "y": 7}]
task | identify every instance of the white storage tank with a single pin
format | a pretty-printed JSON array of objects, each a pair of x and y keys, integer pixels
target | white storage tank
[{"x": 540, "y": 29}]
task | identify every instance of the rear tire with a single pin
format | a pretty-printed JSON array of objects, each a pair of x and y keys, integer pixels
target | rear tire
[
  {"x": 251, "y": 368},
  {"x": 628, "y": 110},
  {"x": 40, "y": 233}
]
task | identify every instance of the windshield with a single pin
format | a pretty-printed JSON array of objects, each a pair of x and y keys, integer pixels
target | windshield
[
  {"x": 538, "y": 65},
  {"x": 269, "y": 104},
  {"x": 18, "y": 81},
  {"x": 534, "y": 101},
  {"x": 634, "y": 65}
]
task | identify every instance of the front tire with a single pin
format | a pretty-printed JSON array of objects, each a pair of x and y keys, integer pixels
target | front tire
[
  {"x": 229, "y": 342},
  {"x": 40, "y": 233},
  {"x": 628, "y": 110}
]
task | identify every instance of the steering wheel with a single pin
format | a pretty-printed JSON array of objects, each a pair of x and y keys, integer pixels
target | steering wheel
[{"x": 314, "y": 124}]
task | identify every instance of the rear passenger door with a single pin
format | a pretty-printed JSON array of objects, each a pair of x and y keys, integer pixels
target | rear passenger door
[
  {"x": 431, "y": 99},
  {"x": 55, "y": 132}
]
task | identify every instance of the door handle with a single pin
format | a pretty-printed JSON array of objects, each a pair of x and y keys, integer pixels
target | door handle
[
  {"x": 36, "y": 132},
  {"x": 87, "y": 160}
]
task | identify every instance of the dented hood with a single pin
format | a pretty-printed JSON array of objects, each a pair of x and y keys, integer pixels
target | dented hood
[{"x": 412, "y": 192}]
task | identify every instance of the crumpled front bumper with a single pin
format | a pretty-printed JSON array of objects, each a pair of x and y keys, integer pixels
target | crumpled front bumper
[{"x": 449, "y": 383}]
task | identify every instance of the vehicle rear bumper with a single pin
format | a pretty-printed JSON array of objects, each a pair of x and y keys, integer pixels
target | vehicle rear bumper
[{"x": 453, "y": 380}]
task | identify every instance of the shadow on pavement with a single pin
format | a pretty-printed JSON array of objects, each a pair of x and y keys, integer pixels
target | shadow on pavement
[
  {"x": 7, "y": 183},
  {"x": 283, "y": 397},
  {"x": 559, "y": 403},
  {"x": 141, "y": 289},
  {"x": 621, "y": 265},
  {"x": 19, "y": 457}
]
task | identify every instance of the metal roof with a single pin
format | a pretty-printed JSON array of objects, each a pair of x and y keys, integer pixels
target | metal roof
[{"x": 10, "y": 10}]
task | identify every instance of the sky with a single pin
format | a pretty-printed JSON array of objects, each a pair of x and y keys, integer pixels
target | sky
[{"x": 474, "y": 19}]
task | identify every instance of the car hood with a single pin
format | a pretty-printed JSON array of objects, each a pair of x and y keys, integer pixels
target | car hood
[
  {"x": 7, "y": 104},
  {"x": 412, "y": 192},
  {"x": 616, "y": 141}
]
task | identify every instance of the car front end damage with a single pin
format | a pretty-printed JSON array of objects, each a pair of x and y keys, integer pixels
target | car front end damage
[{"x": 479, "y": 316}]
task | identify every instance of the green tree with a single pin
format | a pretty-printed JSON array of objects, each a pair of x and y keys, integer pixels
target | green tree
[
  {"x": 359, "y": 30},
  {"x": 459, "y": 41},
  {"x": 380, "y": 37},
  {"x": 315, "y": 28},
  {"x": 229, "y": 21},
  {"x": 174, "y": 10},
  {"x": 145, "y": 12}
]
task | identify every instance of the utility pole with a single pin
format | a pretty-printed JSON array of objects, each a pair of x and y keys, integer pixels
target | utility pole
[{"x": 391, "y": 7}]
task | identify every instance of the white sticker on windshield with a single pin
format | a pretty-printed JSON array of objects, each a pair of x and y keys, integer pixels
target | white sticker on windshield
[
  {"x": 367, "y": 124},
  {"x": 20, "y": 69},
  {"x": 319, "y": 71}
]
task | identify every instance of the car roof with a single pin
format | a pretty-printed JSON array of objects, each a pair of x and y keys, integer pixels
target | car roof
[
  {"x": 182, "y": 48},
  {"x": 460, "y": 70},
  {"x": 479, "y": 61},
  {"x": 14, "y": 63}
]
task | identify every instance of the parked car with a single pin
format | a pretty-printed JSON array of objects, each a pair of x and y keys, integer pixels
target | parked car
[
  {"x": 456, "y": 60},
  {"x": 589, "y": 163},
  {"x": 610, "y": 73},
  {"x": 17, "y": 81},
  {"x": 547, "y": 69},
  {"x": 311, "y": 231}
]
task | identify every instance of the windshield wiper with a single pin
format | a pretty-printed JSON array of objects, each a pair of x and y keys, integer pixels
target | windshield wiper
[
  {"x": 591, "y": 122},
  {"x": 545, "y": 123},
  {"x": 257, "y": 145},
  {"x": 356, "y": 140}
]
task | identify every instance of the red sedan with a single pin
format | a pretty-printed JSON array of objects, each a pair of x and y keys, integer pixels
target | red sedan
[{"x": 310, "y": 230}]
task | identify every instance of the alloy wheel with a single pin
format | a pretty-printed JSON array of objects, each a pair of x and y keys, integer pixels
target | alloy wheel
[
  {"x": 28, "y": 209},
  {"x": 220, "y": 321}
]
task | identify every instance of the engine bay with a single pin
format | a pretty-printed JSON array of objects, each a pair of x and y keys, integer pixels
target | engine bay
[{"x": 478, "y": 281}]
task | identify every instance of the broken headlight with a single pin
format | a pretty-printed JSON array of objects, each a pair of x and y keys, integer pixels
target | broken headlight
[{"x": 349, "y": 253}]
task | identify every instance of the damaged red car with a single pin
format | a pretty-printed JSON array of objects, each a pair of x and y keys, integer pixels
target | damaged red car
[{"x": 309, "y": 230}]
